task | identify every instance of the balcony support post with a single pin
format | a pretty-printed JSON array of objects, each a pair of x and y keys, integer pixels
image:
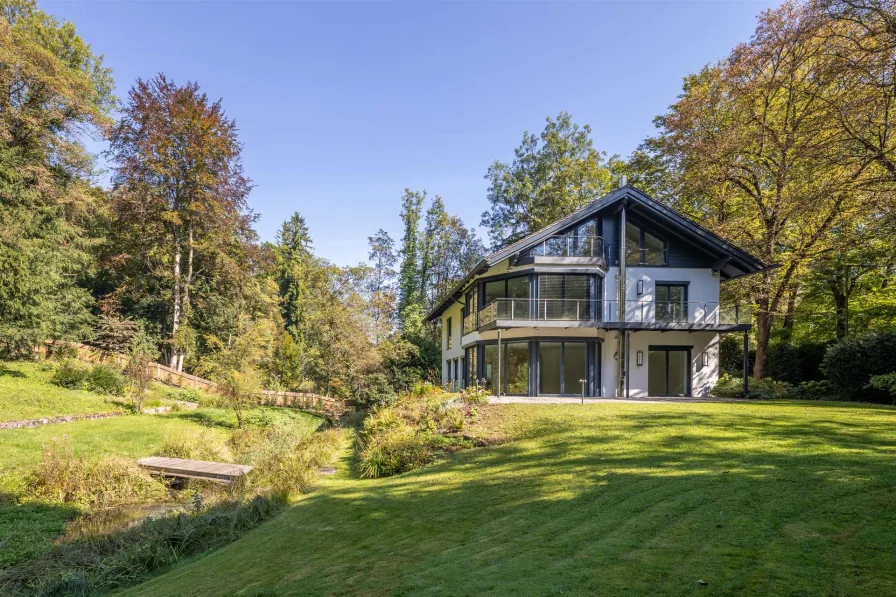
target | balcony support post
[
  {"x": 628, "y": 353},
  {"x": 746, "y": 363}
]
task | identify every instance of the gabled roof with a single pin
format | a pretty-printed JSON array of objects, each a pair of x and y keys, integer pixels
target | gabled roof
[{"x": 734, "y": 261}]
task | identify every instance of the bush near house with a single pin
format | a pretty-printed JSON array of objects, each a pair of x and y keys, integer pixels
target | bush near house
[
  {"x": 413, "y": 432},
  {"x": 851, "y": 364}
]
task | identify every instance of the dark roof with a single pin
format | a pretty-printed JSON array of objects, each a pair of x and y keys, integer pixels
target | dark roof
[{"x": 738, "y": 262}]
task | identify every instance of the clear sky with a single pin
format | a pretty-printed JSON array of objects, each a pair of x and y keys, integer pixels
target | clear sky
[{"x": 342, "y": 105}]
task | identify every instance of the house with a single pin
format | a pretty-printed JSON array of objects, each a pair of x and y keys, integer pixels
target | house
[{"x": 619, "y": 299}]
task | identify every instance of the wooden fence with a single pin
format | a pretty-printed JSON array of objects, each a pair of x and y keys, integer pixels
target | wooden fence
[{"x": 325, "y": 405}]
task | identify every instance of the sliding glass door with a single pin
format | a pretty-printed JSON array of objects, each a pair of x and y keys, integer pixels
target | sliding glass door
[
  {"x": 514, "y": 367},
  {"x": 669, "y": 371},
  {"x": 561, "y": 368}
]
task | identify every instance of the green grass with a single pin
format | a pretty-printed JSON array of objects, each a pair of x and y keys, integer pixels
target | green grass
[
  {"x": 607, "y": 499},
  {"x": 26, "y": 393},
  {"x": 28, "y": 528}
]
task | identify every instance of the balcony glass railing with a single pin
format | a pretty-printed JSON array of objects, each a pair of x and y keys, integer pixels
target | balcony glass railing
[
  {"x": 696, "y": 312},
  {"x": 572, "y": 246},
  {"x": 660, "y": 312}
]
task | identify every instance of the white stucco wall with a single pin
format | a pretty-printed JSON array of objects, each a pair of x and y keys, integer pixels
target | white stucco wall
[
  {"x": 455, "y": 312},
  {"x": 703, "y": 378}
]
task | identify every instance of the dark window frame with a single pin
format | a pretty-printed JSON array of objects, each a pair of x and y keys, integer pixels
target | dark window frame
[
  {"x": 448, "y": 324},
  {"x": 689, "y": 389},
  {"x": 642, "y": 247}
]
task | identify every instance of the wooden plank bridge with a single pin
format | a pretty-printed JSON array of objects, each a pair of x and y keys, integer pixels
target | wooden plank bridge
[{"x": 220, "y": 472}]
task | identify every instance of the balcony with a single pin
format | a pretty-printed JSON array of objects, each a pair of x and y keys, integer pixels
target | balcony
[
  {"x": 567, "y": 249},
  {"x": 636, "y": 314}
]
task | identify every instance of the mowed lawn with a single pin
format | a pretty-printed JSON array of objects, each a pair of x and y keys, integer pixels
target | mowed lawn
[
  {"x": 26, "y": 393},
  {"x": 606, "y": 499}
]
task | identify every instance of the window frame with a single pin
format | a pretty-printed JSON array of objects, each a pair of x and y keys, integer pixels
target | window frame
[{"x": 642, "y": 247}]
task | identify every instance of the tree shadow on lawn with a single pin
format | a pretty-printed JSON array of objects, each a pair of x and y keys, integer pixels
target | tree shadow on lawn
[
  {"x": 641, "y": 502},
  {"x": 29, "y": 528},
  {"x": 203, "y": 418},
  {"x": 7, "y": 372}
]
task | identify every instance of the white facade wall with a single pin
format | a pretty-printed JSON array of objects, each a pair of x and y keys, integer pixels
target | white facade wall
[
  {"x": 703, "y": 377},
  {"x": 703, "y": 287},
  {"x": 455, "y": 312}
]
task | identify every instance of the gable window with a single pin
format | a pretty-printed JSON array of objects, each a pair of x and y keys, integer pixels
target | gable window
[
  {"x": 448, "y": 333},
  {"x": 642, "y": 247}
]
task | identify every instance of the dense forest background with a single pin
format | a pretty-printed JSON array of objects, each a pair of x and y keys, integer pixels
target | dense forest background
[{"x": 786, "y": 147}]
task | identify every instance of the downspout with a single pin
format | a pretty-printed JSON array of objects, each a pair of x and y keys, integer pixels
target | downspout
[
  {"x": 498, "y": 373},
  {"x": 622, "y": 361}
]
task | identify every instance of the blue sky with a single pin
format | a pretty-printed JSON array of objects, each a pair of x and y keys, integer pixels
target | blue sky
[{"x": 342, "y": 105}]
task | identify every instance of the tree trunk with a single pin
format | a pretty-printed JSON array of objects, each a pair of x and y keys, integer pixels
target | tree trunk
[
  {"x": 764, "y": 321},
  {"x": 175, "y": 311},
  {"x": 787, "y": 324},
  {"x": 841, "y": 310},
  {"x": 188, "y": 280}
]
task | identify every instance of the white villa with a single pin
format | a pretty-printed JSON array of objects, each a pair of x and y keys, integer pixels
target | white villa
[{"x": 620, "y": 299}]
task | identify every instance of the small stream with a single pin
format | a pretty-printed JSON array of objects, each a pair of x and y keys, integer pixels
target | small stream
[{"x": 94, "y": 523}]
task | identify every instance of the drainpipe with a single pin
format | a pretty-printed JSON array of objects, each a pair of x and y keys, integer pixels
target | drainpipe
[
  {"x": 498, "y": 373},
  {"x": 622, "y": 367}
]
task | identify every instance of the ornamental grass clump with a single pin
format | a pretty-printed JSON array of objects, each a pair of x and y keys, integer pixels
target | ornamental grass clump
[
  {"x": 116, "y": 560},
  {"x": 411, "y": 434},
  {"x": 64, "y": 477},
  {"x": 287, "y": 458}
]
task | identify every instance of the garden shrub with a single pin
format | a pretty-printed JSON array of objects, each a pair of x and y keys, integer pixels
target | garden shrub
[
  {"x": 287, "y": 457},
  {"x": 393, "y": 451},
  {"x": 850, "y": 364},
  {"x": 813, "y": 390},
  {"x": 886, "y": 383},
  {"x": 103, "y": 379},
  {"x": 411, "y": 433},
  {"x": 70, "y": 374},
  {"x": 729, "y": 386},
  {"x": 795, "y": 363}
]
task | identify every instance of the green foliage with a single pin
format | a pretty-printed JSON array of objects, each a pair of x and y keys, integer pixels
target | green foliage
[
  {"x": 729, "y": 386},
  {"x": 475, "y": 394},
  {"x": 71, "y": 374},
  {"x": 55, "y": 89},
  {"x": 552, "y": 175},
  {"x": 201, "y": 444},
  {"x": 103, "y": 379},
  {"x": 796, "y": 363},
  {"x": 411, "y": 433},
  {"x": 287, "y": 457},
  {"x": 66, "y": 478},
  {"x": 886, "y": 383},
  {"x": 124, "y": 558},
  {"x": 850, "y": 364}
]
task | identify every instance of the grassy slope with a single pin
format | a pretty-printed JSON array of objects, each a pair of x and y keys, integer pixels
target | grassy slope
[
  {"x": 26, "y": 393},
  {"x": 29, "y": 528},
  {"x": 612, "y": 499}
]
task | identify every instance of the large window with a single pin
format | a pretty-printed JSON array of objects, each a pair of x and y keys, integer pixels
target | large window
[
  {"x": 668, "y": 371},
  {"x": 515, "y": 291},
  {"x": 564, "y": 297},
  {"x": 671, "y": 302},
  {"x": 561, "y": 367},
  {"x": 643, "y": 248},
  {"x": 514, "y": 367}
]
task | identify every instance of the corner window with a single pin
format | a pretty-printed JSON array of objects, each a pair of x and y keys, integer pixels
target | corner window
[
  {"x": 448, "y": 333},
  {"x": 642, "y": 247}
]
